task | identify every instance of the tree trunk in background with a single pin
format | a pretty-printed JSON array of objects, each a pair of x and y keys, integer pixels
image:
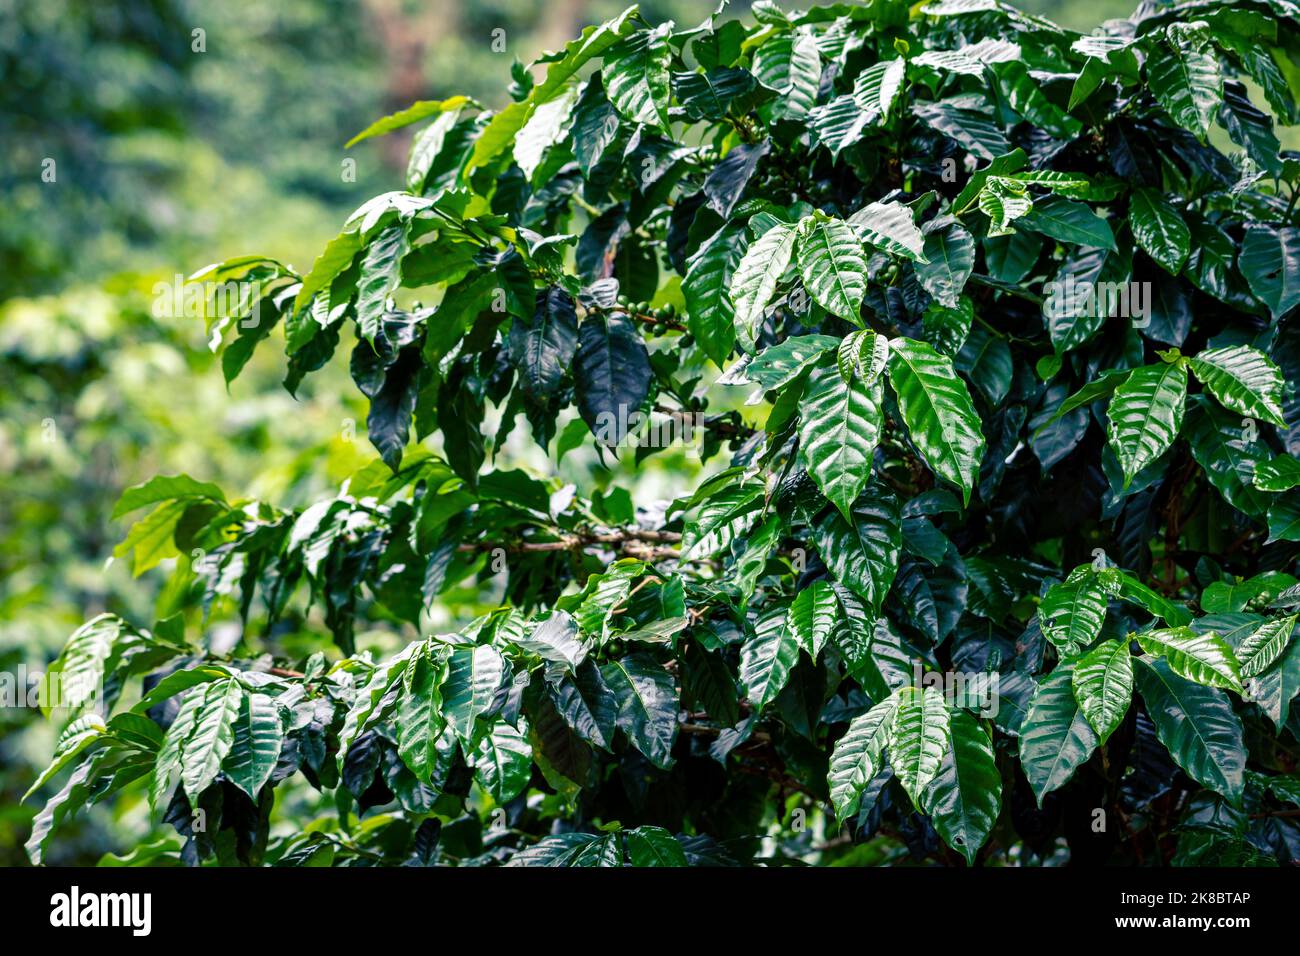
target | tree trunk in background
[
  {"x": 562, "y": 21},
  {"x": 406, "y": 29}
]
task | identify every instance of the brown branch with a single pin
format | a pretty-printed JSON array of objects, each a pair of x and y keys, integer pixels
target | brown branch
[
  {"x": 637, "y": 542},
  {"x": 623, "y": 605},
  {"x": 844, "y": 839},
  {"x": 1276, "y": 813},
  {"x": 1174, "y": 522},
  {"x": 670, "y": 324},
  {"x": 1132, "y": 837},
  {"x": 720, "y": 425},
  {"x": 702, "y": 730},
  {"x": 785, "y": 782}
]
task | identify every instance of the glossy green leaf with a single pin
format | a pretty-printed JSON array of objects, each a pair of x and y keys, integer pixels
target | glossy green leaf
[
  {"x": 1279, "y": 474},
  {"x": 1221, "y": 446},
  {"x": 1145, "y": 414},
  {"x": 206, "y": 746},
  {"x": 889, "y": 226},
  {"x": 435, "y": 153},
  {"x": 833, "y": 266},
  {"x": 726, "y": 183},
  {"x": 1196, "y": 724},
  {"x": 381, "y": 274},
  {"x": 839, "y": 427},
  {"x": 1242, "y": 379},
  {"x": 1134, "y": 591},
  {"x": 1265, "y": 645},
  {"x": 1103, "y": 685},
  {"x": 412, "y": 114},
  {"x": 1275, "y": 688},
  {"x": 986, "y": 360},
  {"x": 1004, "y": 201},
  {"x": 713, "y": 94},
  {"x": 1072, "y": 612},
  {"x": 475, "y": 677},
  {"x": 596, "y": 126},
  {"x": 919, "y": 739},
  {"x": 948, "y": 259},
  {"x": 1185, "y": 78},
  {"x": 167, "y": 765},
  {"x": 259, "y": 737},
  {"x": 1068, "y": 221},
  {"x": 611, "y": 375},
  {"x": 420, "y": 722},
  {"x": 937, "y": 408},
  {"x": 653, "y": 846},
  {"x": 1284, "y": 518},
  {"x": 1270, "y": 261},
  {"x": 366, "y": 703},
  {"x": 64, "y": 804},
  {"x": 756, "y": 276},
  {"x": 878, "y": 86},
  {"x": 974, "y": 131},
  {"x": 790, "y": 65},
  {"x": 781, "y": 364},
  {"x": 1204, "y": 658},
  {"x": 1103, "y": 387},
  {"x": 856, "y": 757},
  {"x": 165, "y": 488},
  {"x": 543, "y": 346},
  {"x": 768, "y": 656},
  {"x": 863, "y": 553},
  {"x": 720, "y": 517},
  {"x": 647, "y": 705},
  {"x": 545, "y": 128},
  {"x": 965, "y": 796},
  {"x": 839, "y": 123},
  {"x": 1024, "y": 96},
  {"x": 707, "y": 290},
  {"x": 82, "y": 664},
  {"x": 84, "y": 732},
  {"x": 1055, "y": 738},
  {"x": 503, "y": 761},
  {"x": 862, "y": 355},
  {"x": 1250, "y": 128},
  {"x": 813, "y": 615},
  {"x": 637, "y": 78},
  {"x": 1257, "y": 592},
  {"x": 1159, "y": 229}
]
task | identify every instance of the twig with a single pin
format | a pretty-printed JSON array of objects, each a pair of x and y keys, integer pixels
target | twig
[
  {"x": 628, "y": 539},
  {"x": 724, "y": 428},
  {"x": 1008, "y": 289},
  {"x": 671, "y": 324},
  {"x": 702, "y": 730},
  {"x": 786, "y": 783},
  {"x": 622, "y": 605},
  {"x": 1276, "y": 813}
]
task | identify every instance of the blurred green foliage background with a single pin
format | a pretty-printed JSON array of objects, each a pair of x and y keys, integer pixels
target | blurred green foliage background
[{"x": 140, "y": 141}]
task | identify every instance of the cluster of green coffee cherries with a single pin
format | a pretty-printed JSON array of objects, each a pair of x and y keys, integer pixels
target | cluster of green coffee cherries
[{"x": 661, "y": 320}]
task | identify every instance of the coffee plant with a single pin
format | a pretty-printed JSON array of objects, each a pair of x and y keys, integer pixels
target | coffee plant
[{"x": 984, "y": 334}]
